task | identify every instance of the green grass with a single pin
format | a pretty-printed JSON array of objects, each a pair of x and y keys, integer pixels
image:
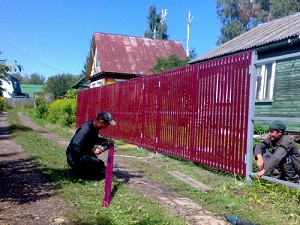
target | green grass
[
  {"x": 85, "y": 197},
  {"x": 262, "y": 202}
]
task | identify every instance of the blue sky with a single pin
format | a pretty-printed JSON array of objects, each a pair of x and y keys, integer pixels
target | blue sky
[{"x": 51, "y": 37}]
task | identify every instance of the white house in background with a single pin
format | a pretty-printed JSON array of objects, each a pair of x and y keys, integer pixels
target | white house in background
[{"x": 12, "y": 88}]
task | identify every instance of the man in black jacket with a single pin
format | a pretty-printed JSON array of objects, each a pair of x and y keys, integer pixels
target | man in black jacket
[
  {"x": 86, "y": 145},
  {"x": 283, "y": 154}
]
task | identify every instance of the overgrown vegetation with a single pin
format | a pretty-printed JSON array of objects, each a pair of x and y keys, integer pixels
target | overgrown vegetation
[
  {"x": 263, "y": 202},
  {"x": 62, "y": 111},
  {"x": 260, "y": 128}
]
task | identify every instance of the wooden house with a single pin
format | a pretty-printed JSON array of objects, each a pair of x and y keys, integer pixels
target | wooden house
[
  {"x": 276, "y": 62},
  {"x": 114, "y": 58}
]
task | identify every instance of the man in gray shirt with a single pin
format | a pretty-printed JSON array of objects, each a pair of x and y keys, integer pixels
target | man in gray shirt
[{"x": 283, "y": 153}]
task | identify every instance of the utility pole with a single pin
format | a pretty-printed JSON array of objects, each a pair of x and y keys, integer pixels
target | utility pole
[{"x": 189, "y": 20}]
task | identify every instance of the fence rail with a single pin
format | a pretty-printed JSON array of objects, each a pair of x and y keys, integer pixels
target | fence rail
[{"x": 198, "y": 113}]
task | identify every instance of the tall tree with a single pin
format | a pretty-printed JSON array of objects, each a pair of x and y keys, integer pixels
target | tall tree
[
  {"x": 59, "y": 84},
  {"x": 36, "y": 78},
  {"x": 238, "y": 16},
  {"x": 85, "y": 65},
  {"x": 157, "y": 27}
]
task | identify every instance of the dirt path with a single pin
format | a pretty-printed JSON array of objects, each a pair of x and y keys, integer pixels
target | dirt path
[
  {"x": 176, "y": 204},
  {"x": 26, "y": 197}
]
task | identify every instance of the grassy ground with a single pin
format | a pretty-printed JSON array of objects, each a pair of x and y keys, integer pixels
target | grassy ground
[
  {"x": 85, "y": 197},
  {"x": 262, "y": 202}
]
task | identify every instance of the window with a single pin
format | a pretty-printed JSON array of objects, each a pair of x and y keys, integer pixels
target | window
[{"x": 265, "y": 75}]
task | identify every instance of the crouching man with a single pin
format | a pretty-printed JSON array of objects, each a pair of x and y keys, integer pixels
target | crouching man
[
  {"x": 86, "y": 145},
  {"x": 283, "y": 155}
]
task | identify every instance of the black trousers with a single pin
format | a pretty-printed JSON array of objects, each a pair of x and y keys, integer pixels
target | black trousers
[{"x": 90, "y": 168}]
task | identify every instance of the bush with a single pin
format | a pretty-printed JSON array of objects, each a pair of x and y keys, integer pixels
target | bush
[
  {"x": 2, "y": 102},
  {"x": 62, "y": 111},
  {"x": 40, "y": 106},
  {"x": 260, "y": 129},
  {"x": 71, "y": 93}
]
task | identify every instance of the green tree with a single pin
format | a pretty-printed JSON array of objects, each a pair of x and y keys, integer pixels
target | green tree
[
  {"x": 59, "y": 84},
  {"x": 172, "y": 62},
  {"x": 281, "y": 8},
  {"x": 157, "y": 27},
  {"x": 192, "y": 54},
  {"x": 239, "y": 16},
  {"x": 236, "y": 17},
  {"x": 36, "y": 78},
  {"x": 85, "y": 65}
]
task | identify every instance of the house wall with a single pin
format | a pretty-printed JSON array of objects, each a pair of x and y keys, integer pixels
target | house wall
[{"x": 286, "y": 98}]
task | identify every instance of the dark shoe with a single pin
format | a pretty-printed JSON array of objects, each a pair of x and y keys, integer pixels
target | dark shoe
[{"x": 74, "y": 174}]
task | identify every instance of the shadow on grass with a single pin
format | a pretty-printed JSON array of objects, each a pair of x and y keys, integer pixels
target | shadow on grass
[
  {"x": 7, "y": 130},
  {"x": 15, "y": 128}
]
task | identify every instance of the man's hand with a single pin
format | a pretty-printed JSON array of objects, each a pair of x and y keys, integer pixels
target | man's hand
[
  {"x": 97, "y": 150},
  {"x": 260, "y": 173},
  {"x": 111, "y": 142},
  {"x": 260, "y": 161}
]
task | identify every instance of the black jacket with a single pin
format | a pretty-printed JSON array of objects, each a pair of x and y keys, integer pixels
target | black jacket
[{"x": 82, "y": 143}]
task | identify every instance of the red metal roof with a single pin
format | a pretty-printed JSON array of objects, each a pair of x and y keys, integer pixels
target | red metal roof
[{"x": 133, "y": 55}]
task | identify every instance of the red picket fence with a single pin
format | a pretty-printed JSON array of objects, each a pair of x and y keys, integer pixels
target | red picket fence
[{"x": 198, "y": 113}]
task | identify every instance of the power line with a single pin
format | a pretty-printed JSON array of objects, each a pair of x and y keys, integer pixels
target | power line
[{"x": 32, "y": 57}]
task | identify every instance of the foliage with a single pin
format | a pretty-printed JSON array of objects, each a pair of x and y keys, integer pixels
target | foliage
[
  {"x": 62, "y": 111},
  {"x": 2, "y": 103},
  {"x": 192, "y": 54},
  {"x": 60, "y": 84},
  {"x": 238, "y": 16},
  {"x": 86, "y": 64},
  {"x": 36, "y": 78},
  {"x": 157, "y": 27},
  {"x": 4, "y": 71},
  {"x": 33, "y": 78},
  {"x": 260, "y": 128},
  {"x": 41, "y": 109},
  {"x": 72, "y": 93},
  {"x": 172, "y": 62}
]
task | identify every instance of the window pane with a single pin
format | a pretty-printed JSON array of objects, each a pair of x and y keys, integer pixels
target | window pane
[
  {"x": 268, "y": 81},
  {"x": 258, "y": 83}
]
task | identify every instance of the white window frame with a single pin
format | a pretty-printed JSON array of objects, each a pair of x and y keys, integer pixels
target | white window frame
[{"x": 266, "y": 73}]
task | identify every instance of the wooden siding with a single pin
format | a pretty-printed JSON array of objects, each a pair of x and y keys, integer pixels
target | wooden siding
[{"x": 286, "y": 98}]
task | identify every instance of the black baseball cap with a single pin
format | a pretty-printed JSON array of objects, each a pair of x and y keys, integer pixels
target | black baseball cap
[{"x": 106, "y": 117}]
